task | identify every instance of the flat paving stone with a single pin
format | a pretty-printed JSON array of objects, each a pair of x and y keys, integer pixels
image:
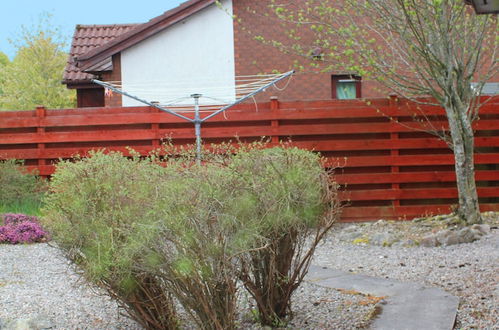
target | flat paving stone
[{"x": 409, "y": 306}]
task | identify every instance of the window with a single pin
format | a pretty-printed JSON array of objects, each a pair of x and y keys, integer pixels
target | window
[
  {"x": 491, "y": 88},
  {"x": 345, "y": 87}
]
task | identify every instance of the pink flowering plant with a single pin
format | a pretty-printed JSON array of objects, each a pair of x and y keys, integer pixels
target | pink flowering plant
[
  {"x": 21, "y": 228},
  {"x": 17, "y": 218}
]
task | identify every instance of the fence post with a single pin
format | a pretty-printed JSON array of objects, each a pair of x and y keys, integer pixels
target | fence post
[
  {"x": 155, "y": 129},
  {"x": 394, "y": 139},
  {"x": 274, "y": 124},
  {"x": 41, "y": 113}
]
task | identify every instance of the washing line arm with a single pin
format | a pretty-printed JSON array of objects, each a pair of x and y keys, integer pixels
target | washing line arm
[
  {"x": 287, "y": 74},
  {"x": 157, "y": 106}
]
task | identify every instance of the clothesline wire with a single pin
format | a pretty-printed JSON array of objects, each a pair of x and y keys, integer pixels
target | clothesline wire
[
  {"x": 172, "y": 100},
  {"x": 184, "y": 93},
  {"x": 222, "y": 95},
  {"x": 197, "y": 82},
  {"x": 243, "y": 87},
  {"x": 285, "y": 86},
  {"x": 190, "y": 80},
  {"x": 139, "y": 87}
]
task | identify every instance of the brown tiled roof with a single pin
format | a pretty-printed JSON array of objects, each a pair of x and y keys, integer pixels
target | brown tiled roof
[
  {"x": 96, "y": 56},
  {"x": 86, "y": 38}
]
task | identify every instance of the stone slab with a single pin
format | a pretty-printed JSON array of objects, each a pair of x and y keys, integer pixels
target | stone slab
[{"x": 409, "y": 306}]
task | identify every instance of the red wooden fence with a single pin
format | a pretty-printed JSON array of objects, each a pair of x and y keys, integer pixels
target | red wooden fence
[{"x": 388, "y": 170}]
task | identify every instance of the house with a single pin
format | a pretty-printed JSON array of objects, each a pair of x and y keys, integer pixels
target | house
[
  {"x": 188, "y": 45},
  {"x": 86, "y": 38},
  {"x": 196, "y": 39}
]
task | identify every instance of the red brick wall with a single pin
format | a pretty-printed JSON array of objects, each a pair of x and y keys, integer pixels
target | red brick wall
[
  {"x": 252, "y": 56},
  {"x": 115, "y": 100}
]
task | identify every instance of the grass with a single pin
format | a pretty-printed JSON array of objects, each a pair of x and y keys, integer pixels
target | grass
[{"x": 28, "y": 207}]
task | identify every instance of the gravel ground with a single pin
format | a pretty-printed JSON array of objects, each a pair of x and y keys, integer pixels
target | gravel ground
[
  {"x": 317, "y": 307},
  {"x": 469, "y": 271},
  {"x": 37, "y": 282}
]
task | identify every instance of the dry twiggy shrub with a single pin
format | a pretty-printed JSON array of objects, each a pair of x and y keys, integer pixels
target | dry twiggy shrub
[
  {"x": 292, "y": 202},
  {"x": 150, "y": 233},
  {"x": 101, "y": 212}
]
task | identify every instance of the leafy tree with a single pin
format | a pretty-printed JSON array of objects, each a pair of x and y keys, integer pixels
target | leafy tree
[
  {"x": 416, "y": 48},
  {"x": 34, "y": 76},
  {"x": 4, "y": 60}
]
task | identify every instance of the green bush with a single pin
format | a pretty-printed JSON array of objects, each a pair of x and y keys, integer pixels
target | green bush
[
  {"x": 291, "y": 200},
  {"x": 148, "y": 232},
  {"x": 19, "y": 188},
  {"x": 199, "y": 243},
  {"x": 101, "y": 212}
]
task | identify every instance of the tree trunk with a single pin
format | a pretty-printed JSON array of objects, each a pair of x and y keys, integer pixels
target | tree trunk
[{"x": 463, "y": 147}]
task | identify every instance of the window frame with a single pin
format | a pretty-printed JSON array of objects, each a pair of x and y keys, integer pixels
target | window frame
[{"x": 335, "y": 79}]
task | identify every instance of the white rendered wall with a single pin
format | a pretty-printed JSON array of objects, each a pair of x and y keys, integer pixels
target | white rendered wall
[{"x": 195, "y": 55}]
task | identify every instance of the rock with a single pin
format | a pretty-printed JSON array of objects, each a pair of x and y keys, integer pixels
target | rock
[
  {"x": 383, "y": 239},
  {"x": 351, "y": 228},
  {"x": 20, "y": 324},
  {"x": 447, "y": 237},
  {"x": 350, "y": 236},
  {"x": 468, "y": 235},
  {"x": 478, "y": 234},
  {"x": 404, "y": 243},
  {"x": 483, "y": 228},
  {"x": 429, "y": 241},
  {"x": 379, "y": 224},
  {"x": 442, "y": 236},
  {"x": 37, "y": 323},
  {"x": 452, "y": 239},
  {"x": 409, "y": 242}
]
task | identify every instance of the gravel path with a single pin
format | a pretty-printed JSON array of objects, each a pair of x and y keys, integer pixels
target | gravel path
[{"x": 37, "y": 282}]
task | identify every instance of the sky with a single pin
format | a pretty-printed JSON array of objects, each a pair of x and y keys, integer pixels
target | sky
[{"x": 67, "y": 14}]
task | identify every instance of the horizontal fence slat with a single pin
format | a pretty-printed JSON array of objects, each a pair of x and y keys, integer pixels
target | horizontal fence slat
[
  {"x": 121, "y": 135},
  {"x": 66, "y": 152},
  {"x": 387, "y": 144},
  {"x": 414, "y": 160},
  {"x": 410, "y": 177},
  {"x": 413, "y": 194}
]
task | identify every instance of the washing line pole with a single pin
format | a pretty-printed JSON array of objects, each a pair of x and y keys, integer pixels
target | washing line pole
[
  {"x": 197, "y": 126},
  {"x": 197, "y": 118}
]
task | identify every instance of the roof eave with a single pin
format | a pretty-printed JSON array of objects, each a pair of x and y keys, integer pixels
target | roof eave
[{"x": 77, "y": 84}]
